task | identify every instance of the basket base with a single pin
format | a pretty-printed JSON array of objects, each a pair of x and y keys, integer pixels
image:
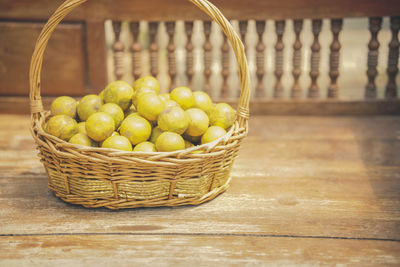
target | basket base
[{"x": 132, "y": 203}]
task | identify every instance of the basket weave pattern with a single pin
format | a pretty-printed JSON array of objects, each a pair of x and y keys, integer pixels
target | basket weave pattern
[{"x": 98, "y": 177}]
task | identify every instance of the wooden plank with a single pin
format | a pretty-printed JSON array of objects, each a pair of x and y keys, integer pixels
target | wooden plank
[
  {"x": 20, "y": 105},
  {"x": 161, "y": 250},
  {"x": 63, "y": 67},
  {"x": 183, "y": 10},
  {"x": 298, "y": 176},
  {"x": 96, "y": 53}
]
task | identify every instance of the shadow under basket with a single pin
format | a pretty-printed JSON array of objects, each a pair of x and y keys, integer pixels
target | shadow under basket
[{"x": 99, "y": 177}]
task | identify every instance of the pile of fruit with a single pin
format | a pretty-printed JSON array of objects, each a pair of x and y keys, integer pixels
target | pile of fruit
[{"x": 138, "y": 118}]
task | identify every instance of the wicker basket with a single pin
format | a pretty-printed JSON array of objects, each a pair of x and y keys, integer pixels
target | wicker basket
[{"x": 99, "y": 177}]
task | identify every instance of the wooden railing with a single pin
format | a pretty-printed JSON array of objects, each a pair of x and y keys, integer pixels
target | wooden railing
[{"x": 293, "y": 99}]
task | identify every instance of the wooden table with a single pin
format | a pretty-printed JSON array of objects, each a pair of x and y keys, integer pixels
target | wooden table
[{"x": 305, "y": 190}]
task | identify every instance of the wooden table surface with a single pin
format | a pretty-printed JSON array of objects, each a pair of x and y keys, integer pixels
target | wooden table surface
[{"x": 304, "y": 191}]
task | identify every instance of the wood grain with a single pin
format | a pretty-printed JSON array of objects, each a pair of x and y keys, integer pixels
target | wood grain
[
  {"x": 183, "y": 10},
  {"x": 64, "y": 62},
  {"x": 325, "y": 178},
  {"x": 161, "y": 250}
]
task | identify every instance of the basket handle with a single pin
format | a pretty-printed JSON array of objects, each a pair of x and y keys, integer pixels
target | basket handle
[{"x": 212, "y": 11}]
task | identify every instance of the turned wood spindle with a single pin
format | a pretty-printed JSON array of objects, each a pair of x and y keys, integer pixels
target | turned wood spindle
[
  {"x": 260, "y": 49},
  {"x": 336, "y": 27},
  {"x": 207, "y": 56},
  {"x": 153, "y": 27},
  {"x": 189, "y": 52},
  {"x": 171, "y": 53},
  {"x": 225, "y": 67},
  {"x": 296, "y": 89},
  {"x": 313, "y": 91},
  {"x": 118, "y": 49},
  {"x": 279, "y": 46},
  {"x": 393, "y": 60},
  {"x": 136, "y": 50},
  {"x": 373, "y": 52}
]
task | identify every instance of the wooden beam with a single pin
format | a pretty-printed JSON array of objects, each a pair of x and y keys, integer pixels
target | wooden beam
[{"x": 181, "y": 9}]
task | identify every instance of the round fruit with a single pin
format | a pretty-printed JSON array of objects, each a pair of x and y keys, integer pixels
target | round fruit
[
  {"x": 164, "y": 96},
  {"x": 155, "y": 133},
  {"x": 138, "y": 93},
  {"x": 150, "y": 106},
  {"x": 188, "y": 144},
  {"x": 64, "y": 105},
  {"x": 212, "y": 133},
  {"x": 114, "y": 111},
  {"x": 133, "y": 114},
  {"x": 192, "y": 139},
  {"x": 170, "y": 103},
  {"x": 145, "y": 147},
  {"x": 169, "y": 141},
  {"x": 183, "y": 96},
  {"x": 81, "y": 139},
  {"x": 88, "y": 105},
  {"x": 147, "y": 81},
  {"x": 100, "y": 126},
  {"x": 120, "y": 93},
  {"x": 173, "y": 120},
  {"x": 202, "y": 101},
  {"x": 222, "y": 115},
  {"x": 62, "y": 126},
  {"x": 198, "y": 122},
  {"x": 136, "y": 129},
  {"x": 117, "y": 142},
  {"x": 82, "y": 127},
  {"x": 101, "y": 95}
]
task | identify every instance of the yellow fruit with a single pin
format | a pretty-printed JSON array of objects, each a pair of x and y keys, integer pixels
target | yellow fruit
[
  {"x": 222, "y": 115},
  {"x": 212, "y": 133},
  {"x": 113, "y": 134},
  {"x": 192, "y": 139},
  {"x": 62, "y": 126},
  {"x": 136, "y": 129},
  {"x": 88, "y": 105},
  {"x": 81, "y": 139},
  {"x": 173, "y": 120},
  {"x": 114, "y": 111},
  {"x": 101, "y": 95},
  {"x": 138, "y": 93},
  {"x": 147, "y": 81},
  {"x": 64, "y": 105},
  {"x": 183, "y": 96},
  {"x": 150, "y": 106},
  {"x": 170, "y": 103},
  {"x": 169, "y": 141},
  {"x": 164, "y": 96},
  {"x": 198, "y": 122},
  {"x": 133, "y": 114},
  {"x": 100, "y": 126},
  {"x": 155, "y": 133},
  {"x": 120, "y": 93},
  {"x": 117, "y": 142},
  {"x": 188, "y": 144},
  {"x": 202, "y": 101},
  {"x": 145, "y": 147},
  {"x": 82, "y": 127}
]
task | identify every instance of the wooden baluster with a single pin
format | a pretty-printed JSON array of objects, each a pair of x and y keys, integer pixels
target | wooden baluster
[
  {"x": 392, "y": 69},
  {"x": 225, "y": 68},
  {"x": 136, "y": 50},
  {"x": 279, "y": 46},
  {"x": 296, "y": 89},
  {"x": 260, "y": 48},
  {"x": 207, "y": 56},
  {"x": 189, "y": 52},
  {"x": 336, "y": 27},
  {"x": 171, "y": 53},
  {"x": 373, "y": 46},
  {"x": 118, "y": 49},
  {"x": 313, "y": 91},
  {"x": 153, "y": 27}
]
